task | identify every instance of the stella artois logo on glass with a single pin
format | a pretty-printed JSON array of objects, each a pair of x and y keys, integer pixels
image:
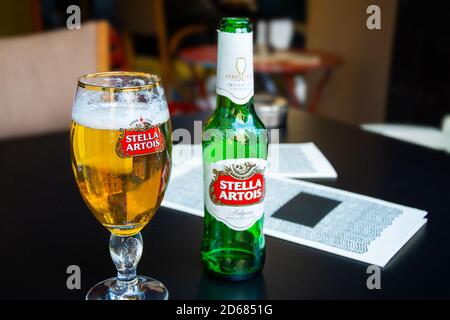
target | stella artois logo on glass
[{"x": 145, "y": 139}]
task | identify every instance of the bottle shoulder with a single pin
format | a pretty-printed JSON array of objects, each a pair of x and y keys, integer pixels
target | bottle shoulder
[{"x": 232, "y": 116}]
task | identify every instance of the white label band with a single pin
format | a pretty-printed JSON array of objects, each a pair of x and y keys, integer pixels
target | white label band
[{"x": 235, "y": 66}]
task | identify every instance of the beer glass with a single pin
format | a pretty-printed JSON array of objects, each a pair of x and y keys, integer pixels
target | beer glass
[{"x": 121, "y": 158}]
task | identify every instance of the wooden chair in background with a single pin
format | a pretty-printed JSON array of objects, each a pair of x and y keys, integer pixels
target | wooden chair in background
[
  {"x": 148, "y": 18},
  {"x": 145, "y": 18}
]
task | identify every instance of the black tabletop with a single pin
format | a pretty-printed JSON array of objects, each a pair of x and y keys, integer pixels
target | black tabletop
[{"x": 45, "y": 226}]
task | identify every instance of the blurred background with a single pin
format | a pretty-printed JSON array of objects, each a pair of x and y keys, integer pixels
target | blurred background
[{"x": 314, "y": 55}]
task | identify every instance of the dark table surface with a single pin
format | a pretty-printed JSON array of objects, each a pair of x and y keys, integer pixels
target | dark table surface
[{"x": 45, "y": 226}]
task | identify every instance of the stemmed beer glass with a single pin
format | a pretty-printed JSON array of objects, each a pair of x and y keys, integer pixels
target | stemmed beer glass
[{"x": 121, "y": 158}]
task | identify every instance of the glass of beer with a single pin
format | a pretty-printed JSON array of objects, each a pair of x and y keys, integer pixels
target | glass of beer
[{"x": 121, "y": 158}]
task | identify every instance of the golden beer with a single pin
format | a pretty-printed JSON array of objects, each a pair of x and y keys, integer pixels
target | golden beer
[{"x": 122, "y": 193}]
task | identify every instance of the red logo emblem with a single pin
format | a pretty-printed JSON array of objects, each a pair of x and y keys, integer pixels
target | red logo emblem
[
  {"x": 237, "y": 185},
  {"x": 140, "y": 141}
]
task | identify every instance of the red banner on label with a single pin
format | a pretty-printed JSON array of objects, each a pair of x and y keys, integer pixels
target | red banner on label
[
  {"x": 227, "y": 190},
  {"x": 140, "y": 142}
]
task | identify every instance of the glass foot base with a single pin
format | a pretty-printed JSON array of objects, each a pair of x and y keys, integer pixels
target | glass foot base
[{"x": 142, "y": 288}]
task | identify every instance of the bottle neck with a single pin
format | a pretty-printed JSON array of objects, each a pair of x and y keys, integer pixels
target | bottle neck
[
  {"x": 243, "y": 113},
  {"x": 225, "y": 103}
]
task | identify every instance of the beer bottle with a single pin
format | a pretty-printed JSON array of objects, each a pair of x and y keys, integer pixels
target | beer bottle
[{"x": 234, "y": 161}]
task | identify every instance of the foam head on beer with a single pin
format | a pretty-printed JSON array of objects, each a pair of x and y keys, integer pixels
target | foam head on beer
[{"x": 94, "y": 109}]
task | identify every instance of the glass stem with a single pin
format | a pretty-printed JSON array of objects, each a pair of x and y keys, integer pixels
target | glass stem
[{"x": 125, "y": 253}]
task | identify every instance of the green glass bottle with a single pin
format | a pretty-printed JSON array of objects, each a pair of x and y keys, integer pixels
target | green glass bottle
[{"x": 234, "y": 160}]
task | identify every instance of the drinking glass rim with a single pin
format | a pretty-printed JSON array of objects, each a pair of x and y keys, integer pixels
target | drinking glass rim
[{"x": 154, "y": 78}]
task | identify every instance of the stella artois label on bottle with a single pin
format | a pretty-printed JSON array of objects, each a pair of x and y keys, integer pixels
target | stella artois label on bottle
[
  {"x": 142, "y": 140},
  {"x": 235, "y": 66},
  {"x": 235, "y": 194}
]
